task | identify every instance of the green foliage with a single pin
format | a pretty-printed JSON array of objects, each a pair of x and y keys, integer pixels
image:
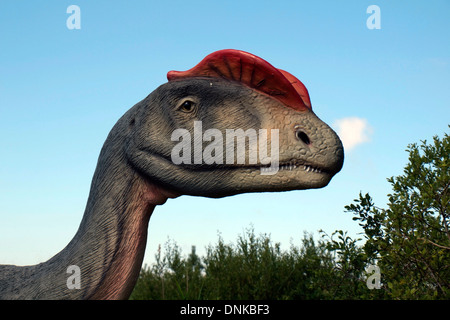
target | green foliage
[
  {"x": 255, "y": 268},
  {"x": 409, "y": 241},
  {"x": 171, "y": 277}
]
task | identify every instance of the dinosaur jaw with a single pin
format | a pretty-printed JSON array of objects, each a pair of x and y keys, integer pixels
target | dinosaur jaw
[
  {"x": 294, "y": 165},
  {"x": 287, "y": 177},
  {"x": 291, "y": 175},
  {"x": 217, "y": 181}
]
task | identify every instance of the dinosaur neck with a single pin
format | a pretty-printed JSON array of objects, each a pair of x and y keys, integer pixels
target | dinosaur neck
[
  {"x": 111, "y": 240},
  {"x": 109, "y": 245},
  {"x": 112, "y": 236}
]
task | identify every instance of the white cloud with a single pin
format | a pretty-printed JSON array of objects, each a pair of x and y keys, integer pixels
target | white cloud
[{"x": 353, "y": 131}]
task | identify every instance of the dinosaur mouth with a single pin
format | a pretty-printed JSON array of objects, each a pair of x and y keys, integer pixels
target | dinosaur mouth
[
  {"x": 286, "y": 166},
  {"x": 292, "y": 165}
]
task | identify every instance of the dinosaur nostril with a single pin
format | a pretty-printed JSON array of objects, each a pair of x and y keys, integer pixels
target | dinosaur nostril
[{"x": 300, "y": 135}]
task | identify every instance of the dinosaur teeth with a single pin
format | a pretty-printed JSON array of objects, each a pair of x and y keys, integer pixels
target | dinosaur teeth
[
  {"x": 291, "y": 166},
  {"x": 311, "y": 169}
]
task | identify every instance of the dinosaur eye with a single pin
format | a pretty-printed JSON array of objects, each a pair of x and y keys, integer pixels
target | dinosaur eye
[{"x": 187, "y": 106}]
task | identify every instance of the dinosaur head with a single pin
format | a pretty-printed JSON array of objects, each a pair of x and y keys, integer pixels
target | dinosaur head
[{"x": 230, "y": 125}]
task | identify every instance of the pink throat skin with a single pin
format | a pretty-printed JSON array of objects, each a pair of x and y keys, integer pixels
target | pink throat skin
[{"x": 123, "y": 271}]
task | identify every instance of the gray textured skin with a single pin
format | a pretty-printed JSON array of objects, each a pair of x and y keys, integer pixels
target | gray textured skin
[{"x": 134, "y": 174}]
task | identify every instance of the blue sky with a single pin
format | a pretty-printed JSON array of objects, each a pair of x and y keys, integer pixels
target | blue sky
[{"x": 62, "y": 90}]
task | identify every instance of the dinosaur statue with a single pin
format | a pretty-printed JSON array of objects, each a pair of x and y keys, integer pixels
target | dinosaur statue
[{"x": 228, "y": 89}]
